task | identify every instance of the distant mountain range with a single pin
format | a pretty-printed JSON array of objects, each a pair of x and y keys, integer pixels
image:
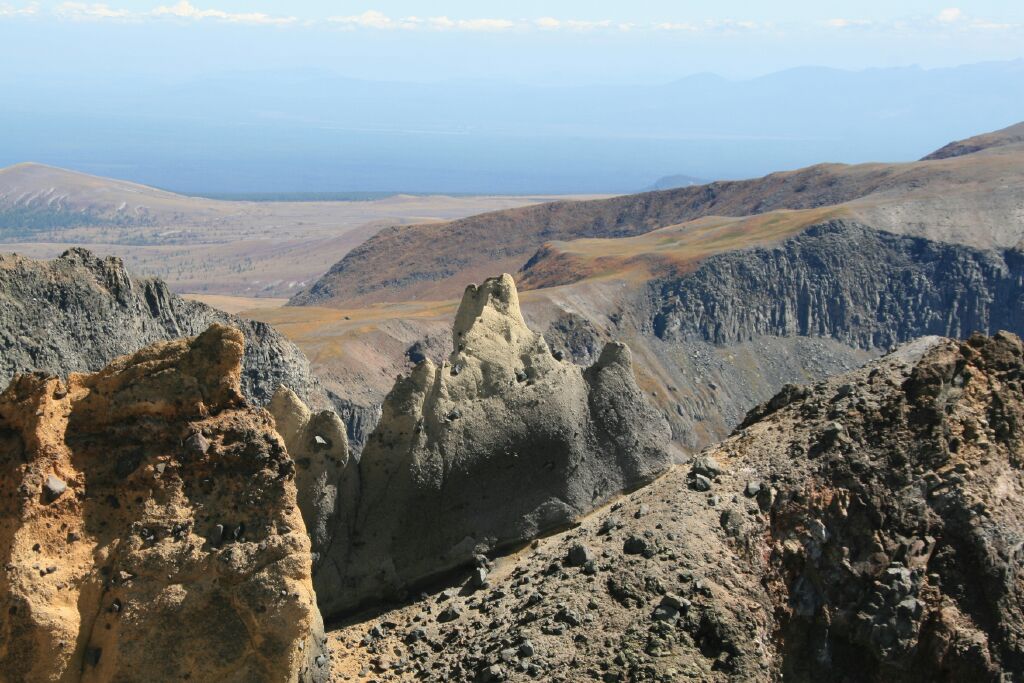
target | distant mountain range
[{"x": 316, "y": 132}]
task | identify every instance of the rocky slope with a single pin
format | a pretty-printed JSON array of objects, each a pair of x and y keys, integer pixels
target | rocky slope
[
  {"x": 866, "y": 528},
  {"x": 149, "y": 528},
  {"x": 79, "y": 312},
  {"x": 1012, "y": 135},
  {"x": 969, "y": 198},
  {"x": 713, "y": 338},
  {"x": 866, "y": 288},
  {"x": 503, "y": 441}
]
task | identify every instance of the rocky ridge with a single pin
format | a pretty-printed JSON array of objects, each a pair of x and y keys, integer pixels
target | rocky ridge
[
  {"x": 866, "y": 528},
  {"x": 503, "y": 441},
  {"x": 863, "y": 287},
  {"x": 79, "y": 312},
  {"x": 149, "y": 527}
]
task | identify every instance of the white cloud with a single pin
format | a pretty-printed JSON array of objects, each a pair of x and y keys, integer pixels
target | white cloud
[
  {"x": 444, "y": 23},
  {"x": 80, "y": 11},
  {"x": 86, "y": 11},
  {"x": 378, "y": 20},
  {"x": 368, "y": 19},
  {"x": 12, "y": 11},
  {"x": 186, "y": 10},
  {"x": 983, "y": 25},
  {"x": 847, "y": 23},
  {"x": 676, "y": 26},
  {"x": 552, "y": 24}
]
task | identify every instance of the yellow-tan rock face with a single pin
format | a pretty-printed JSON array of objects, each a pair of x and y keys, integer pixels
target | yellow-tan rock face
[{"x": 149, "y": 528}]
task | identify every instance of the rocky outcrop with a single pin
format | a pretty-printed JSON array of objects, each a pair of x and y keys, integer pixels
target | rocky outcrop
[
  {"x": 149, "y": 528},
  {"x": 318, "y": 445},
  {"x": 863, "y": 287},
  {"x": 502, "y": 442},
  {"x": 894, "y": 515},
  {"x": 79, "y": 312},
  {"x": 866, "y": 528}
]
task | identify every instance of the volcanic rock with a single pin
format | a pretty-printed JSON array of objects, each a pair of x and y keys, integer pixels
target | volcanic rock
[
  {"x": 78, "y": 312},
  {"x": 475, "y": 461},
  {"x": 318, "y": 445},
  {"x": 148, "y": 590},
  {"x": 891, "y": 554}
]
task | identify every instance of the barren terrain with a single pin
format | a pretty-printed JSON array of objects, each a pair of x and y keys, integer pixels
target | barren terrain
[{"x": 240, "y": 248}]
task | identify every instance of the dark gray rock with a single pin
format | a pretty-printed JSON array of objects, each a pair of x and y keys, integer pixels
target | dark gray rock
[
  {"x": 475, "y": 461},
  {"x": 839, "y": 280},
  {"x": 79, "y": 312},
  {"x": 579, "y": 555}
]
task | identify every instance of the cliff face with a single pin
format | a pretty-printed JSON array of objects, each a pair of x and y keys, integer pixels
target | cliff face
[
  {"x": 866, "y": 288},
  {"x": 503, "y": 441},
  {"x": 866, "y": 528},
  {"x": 730, "y": 332},
  {"x": 78, "y": 312},
  {"x": 149, "y": 528}
]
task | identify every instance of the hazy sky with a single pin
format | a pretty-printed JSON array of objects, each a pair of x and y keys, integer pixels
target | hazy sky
[{"x": 571, "y": 41}]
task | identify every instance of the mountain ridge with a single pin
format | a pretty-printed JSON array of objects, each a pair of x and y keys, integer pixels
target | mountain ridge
[{"x": 935, "y": 198}]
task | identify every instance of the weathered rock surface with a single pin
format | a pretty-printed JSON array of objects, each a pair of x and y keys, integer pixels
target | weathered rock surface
[
  {"x": 496, "y": 445},
  {"x": 79, "y": 312},
  {"x": 868, "y": 528},
  {"x": 149, "y": 529},
  {"x": 318, "y": 445},
  {"x": 864, "y": 287}
]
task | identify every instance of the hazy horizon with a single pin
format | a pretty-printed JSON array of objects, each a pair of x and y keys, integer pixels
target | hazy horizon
[{"x": 498, "y": 97}]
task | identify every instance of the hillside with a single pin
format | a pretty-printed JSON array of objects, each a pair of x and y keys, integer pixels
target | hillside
[
  {"x": 856, "y": 530},
  {"x": 972, "y": 199},
  {"x": 1013, "y": 135},
  {"x": 240, "y": 248},
  {"x": 79, "y": 312},
  {"x": 37, "y": 198}
]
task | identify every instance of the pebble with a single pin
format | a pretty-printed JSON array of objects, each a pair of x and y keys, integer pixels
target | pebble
[
  {"x": 450, "y": 613},
  {"x": 54, "y": 488},
  {"x": 700, "y": 483}
]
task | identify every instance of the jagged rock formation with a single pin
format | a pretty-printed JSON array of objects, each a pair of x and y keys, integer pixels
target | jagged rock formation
[
  {"x": 866, "y": 528},
  {"x": 318, "y": 444},
  {"x": 79, "y": 312},
  {"x": 500, "y": 443},
  {"x": 149, "y": 527},
  {"x": 866, "y": 288}
]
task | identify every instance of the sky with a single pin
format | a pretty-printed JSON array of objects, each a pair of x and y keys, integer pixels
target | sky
[
  {"x": 527, "y": 41},
  {"x": 478, "y": 96}
]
